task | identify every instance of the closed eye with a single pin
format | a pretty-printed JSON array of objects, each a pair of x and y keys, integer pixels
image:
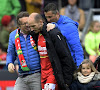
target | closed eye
[{"x": 32, "y": 26}]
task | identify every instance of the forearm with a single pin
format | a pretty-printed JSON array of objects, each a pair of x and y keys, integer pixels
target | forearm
[{"x": 11, "y": 53}]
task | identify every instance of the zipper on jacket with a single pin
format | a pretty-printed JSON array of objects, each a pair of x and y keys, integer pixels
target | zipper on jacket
[{"x": 27, "y": 49}]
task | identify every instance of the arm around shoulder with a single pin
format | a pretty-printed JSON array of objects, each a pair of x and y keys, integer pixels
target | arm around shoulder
[
  {"x": 73, "y": 41},
  {"x": 50, "y": 26}
]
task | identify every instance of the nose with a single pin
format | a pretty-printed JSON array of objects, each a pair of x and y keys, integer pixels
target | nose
[
  {"x": 26, "y": 24},
  {"x": 31, "y": 29},
  {"x": 85, "y": 70}
]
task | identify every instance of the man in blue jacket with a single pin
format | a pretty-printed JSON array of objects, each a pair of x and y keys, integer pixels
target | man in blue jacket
[
  {"x": 21, "y": 46},
  {"x": 69, "y": 29}
]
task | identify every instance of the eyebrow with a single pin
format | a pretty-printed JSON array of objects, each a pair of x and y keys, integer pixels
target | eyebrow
[
  {"x": 25, "y": 23},
  {"x": 49, "y": 16}
]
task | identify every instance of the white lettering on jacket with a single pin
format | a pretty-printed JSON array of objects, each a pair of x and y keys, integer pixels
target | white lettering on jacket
[{"x": 42, "y": 50}]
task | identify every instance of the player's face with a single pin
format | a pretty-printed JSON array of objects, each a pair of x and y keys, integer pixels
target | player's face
[{"x": 34, "y": 25}]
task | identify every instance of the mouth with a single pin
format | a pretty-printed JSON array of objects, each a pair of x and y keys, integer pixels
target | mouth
[{"x": 85, "y": 73}]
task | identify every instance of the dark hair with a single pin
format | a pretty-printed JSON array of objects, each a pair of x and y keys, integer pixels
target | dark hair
[
  {"x": 51, "y": 7},
  {"x": 20, "y": 15}
]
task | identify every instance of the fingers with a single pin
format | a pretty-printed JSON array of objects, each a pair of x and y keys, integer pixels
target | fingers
[
  {"x": 16, "y": 67},
  {"x": 50, "y": 26},
  {"x": 67, "y": 85},
  {"x": 11, "y": 68}
]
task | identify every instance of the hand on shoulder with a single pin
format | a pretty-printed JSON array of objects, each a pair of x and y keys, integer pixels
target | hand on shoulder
[{"x": 50, "y": 26}]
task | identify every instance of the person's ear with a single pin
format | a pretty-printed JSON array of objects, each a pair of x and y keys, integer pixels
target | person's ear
[{"x": 41, "y": 22}]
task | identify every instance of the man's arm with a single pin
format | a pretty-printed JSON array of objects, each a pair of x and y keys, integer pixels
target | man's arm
[
  {"x": 11, "y": 55},
  {"x": 50, "y": 26},
  {"x": 70, "y": 31},
  {"x": 72, "y": 38}
]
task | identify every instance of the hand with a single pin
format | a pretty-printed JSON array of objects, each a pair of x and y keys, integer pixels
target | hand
[
  {"x": 67, "y": 85},
  {"x": 50, "y": 26},
  {"x": 11, "y": 68},
  {"x": 17, "y": 67}
]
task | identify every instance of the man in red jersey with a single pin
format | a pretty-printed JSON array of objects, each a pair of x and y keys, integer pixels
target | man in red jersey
[{"x": 56, "y": 62}]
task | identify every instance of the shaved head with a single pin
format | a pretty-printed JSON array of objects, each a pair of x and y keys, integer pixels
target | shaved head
[
  {"x": 35, "y": 22},
  {"x": 35, "y": 16}
]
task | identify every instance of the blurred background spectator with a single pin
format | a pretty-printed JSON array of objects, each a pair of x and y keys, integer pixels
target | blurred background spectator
[
  {"x": 74, "y": 12},
  {"x": 86, "y": 4},
  {"x": 23, "y": 5},
  {"x": 92, "y": 40},
  {"x": 8, "y": 25},
  {"x": 51, "y": 1},
  {"x": 9, "y": 7},
  {"x": 2, "y": 56},
  {"x": 34, "y": 6}
]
